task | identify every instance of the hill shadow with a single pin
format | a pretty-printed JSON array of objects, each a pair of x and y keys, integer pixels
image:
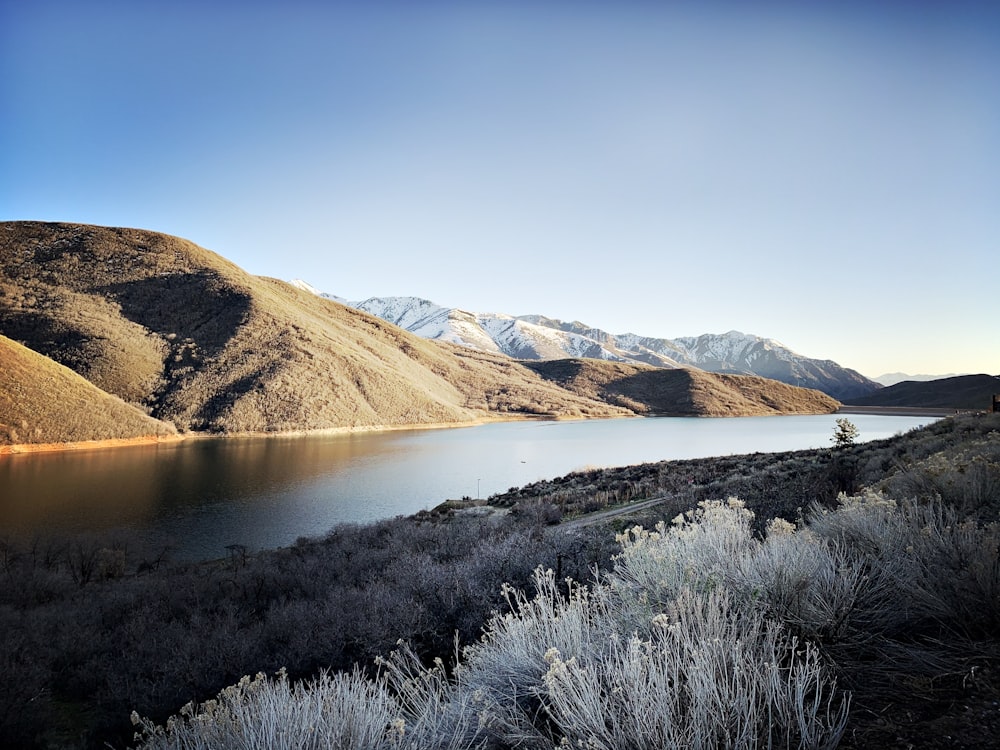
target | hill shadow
[
  {"x": 556, "y": 370},
  {"x": 663, "y": 391},
  {"x": 199, "y": 307}
]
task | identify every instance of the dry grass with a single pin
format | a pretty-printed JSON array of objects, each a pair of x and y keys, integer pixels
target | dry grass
[
  {"x": 43, "y": 402},
  {"x": 199, "y": 343},
  {"x": 682, "y": 392}
]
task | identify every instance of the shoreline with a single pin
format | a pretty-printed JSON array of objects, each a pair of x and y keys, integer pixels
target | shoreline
[
  {"x": 18, "y": 449},
  {"x": 902, "y": 411},
  {"x": 81, "y": 445}
]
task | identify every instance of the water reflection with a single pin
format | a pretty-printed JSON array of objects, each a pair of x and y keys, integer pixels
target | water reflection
[{"x": 202, "y": 495}]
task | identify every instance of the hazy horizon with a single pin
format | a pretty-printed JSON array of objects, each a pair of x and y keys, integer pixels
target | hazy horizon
[{"x": 826, "y": 175}]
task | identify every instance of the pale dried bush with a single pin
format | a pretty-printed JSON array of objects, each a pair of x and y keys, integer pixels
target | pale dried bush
[
  {"x": 342, "y": 710},
  {"x": 709, "y": 676},
  {"x": 966, "y": 477},
  {"x": 660, "y": 654},
  {"x": 927, "y": 569}
]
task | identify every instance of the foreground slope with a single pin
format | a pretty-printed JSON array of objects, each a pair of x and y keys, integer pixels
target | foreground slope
[{"x": 43, "y": 402}]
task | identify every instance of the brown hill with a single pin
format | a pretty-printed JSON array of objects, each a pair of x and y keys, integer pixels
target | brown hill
[
  {"x": 959, "y": 392},
  {"x": 43, "y": 402},
  {"x": 192, "y": 339},
  {"x": 682, "y": 392},
  {"x": 184, "y": 333}
]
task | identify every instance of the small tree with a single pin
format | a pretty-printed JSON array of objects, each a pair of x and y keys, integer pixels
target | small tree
[{"x": 845, "y": 433}]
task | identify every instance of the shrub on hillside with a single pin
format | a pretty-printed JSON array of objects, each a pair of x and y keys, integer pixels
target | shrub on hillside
[
  {"x": 704, "y": 634},
  {"x": 630, "y": 662},
  {"x": 97, "y": 625}
]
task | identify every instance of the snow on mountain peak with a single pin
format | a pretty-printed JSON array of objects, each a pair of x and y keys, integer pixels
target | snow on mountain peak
[
  {"x": 305, "y": 286},
  {"x": 540, "y": 337}
]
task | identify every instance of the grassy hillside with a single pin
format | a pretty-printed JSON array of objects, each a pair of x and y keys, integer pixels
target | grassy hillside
[
  {"x": 175, "y": 328},
  {"x": 195, "y": 341},
  {"x": 682, "y": 392},
  {"x": 43, "y": 402},
  {"x": 959, "y": 392}
]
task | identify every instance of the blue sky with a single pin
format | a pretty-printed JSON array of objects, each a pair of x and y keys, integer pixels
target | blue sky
[{"x": 826, "y": 174}]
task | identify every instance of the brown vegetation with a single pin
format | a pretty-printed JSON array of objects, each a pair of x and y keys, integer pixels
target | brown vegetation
[
  {"x": 43, "y": 402},
  {"x": 682, "y": 392},
  {"x": 196, "y": 342}
]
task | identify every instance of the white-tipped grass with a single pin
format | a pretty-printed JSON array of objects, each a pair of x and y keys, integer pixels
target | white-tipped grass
[
  {"x": 346, "y": 711},
  {"x": 702, "y": 636},
  {"x": 923, "y": 563},
  {"x": 709, "y": 677},
  {"x": 339, "y": 710}
]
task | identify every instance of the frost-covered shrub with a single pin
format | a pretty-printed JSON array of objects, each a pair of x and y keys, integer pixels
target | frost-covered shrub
[
  {"x": 346, "y": 711},
  {"x": 927, "y": 571},
  {"x": 708, "y": 677},
  {"x": 662, "y": 653},
  {"x": 700, "y": 549}
]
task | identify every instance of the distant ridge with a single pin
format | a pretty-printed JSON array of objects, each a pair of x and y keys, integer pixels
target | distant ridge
[
  {"x": 891, "y": 378},
  {"x": 188, "y": 341},
  {"x": 538, "y": 337},
  {"x": 959, "y": 392}
]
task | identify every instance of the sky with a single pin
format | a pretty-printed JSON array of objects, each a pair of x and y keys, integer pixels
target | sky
[{"x": 826, "y": 174}]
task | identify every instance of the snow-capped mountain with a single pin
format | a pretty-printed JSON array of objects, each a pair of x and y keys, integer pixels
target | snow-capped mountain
[
  {"x": 305, "y": 286},
  {"x": 431, "y": 321},
  {"x": 742, "y": 353},
  {"x": 516, "y": 337},
  {"x": 539, "y": 337}
]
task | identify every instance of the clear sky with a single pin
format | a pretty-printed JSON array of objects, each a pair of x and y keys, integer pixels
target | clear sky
[{"x": 823, "y": 173}]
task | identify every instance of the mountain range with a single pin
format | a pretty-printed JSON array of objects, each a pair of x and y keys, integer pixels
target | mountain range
[
  {"x": 139, "y": 333},
  {"x": 536, "y": 337}
]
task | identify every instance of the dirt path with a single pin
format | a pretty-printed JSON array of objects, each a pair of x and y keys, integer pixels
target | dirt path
[{"x": 604, "y": 515}]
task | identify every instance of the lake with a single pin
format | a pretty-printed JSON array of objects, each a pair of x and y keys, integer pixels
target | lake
[{"x": 199, "y": 496}]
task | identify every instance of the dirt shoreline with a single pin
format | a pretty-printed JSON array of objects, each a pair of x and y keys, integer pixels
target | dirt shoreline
[
  {"x": 28, "y": 448},
  {"x": 77, "y": 445},
  {"x": 901, "y": 411}
]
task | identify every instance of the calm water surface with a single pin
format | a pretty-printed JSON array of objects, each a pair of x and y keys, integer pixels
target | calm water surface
[{"x": 201, "y": 495}]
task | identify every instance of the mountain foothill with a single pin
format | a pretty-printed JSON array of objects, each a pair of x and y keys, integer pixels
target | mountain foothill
[{"x": 116, "y": 334}]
